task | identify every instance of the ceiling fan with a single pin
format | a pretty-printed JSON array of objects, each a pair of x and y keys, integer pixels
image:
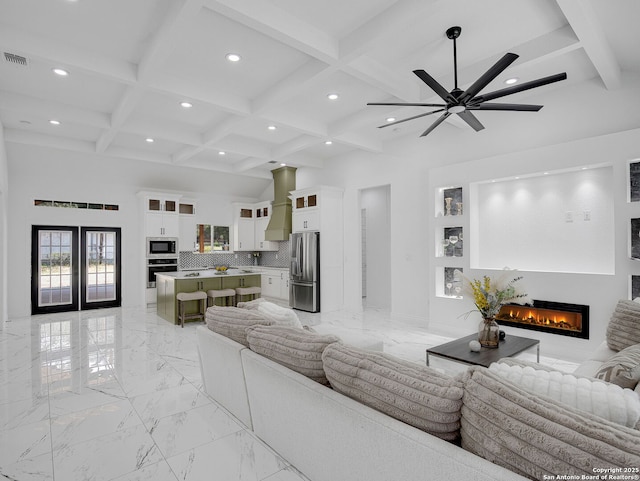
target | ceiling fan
[{"x": 464, "y": 102}]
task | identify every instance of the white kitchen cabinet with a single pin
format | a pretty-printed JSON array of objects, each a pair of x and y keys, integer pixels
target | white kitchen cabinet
[
  {"x": 271, "y": 285},
  {"x": 161, "y": 214},
  {"x": 284, "y": 287},
  {"x": 320, "y": 208},
  {"x": 243, "y": 227}
]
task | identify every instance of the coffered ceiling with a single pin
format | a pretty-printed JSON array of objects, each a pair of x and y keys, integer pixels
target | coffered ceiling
[{"x": 131, "y": 63}]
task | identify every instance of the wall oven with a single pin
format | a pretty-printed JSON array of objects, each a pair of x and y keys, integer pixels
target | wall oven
[
  {"x": 162, "y": 247},
  {"x": 155, "y": 266}
]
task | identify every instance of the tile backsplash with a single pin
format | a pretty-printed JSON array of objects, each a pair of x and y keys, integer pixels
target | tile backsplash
[{"x": 190, "y": 260}]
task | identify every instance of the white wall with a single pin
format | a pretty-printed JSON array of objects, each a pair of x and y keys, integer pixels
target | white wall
[
  {"x": 4, "y": 207},
  {"x": 42, "y": 173},
  {"x": 599, "y": 291}
]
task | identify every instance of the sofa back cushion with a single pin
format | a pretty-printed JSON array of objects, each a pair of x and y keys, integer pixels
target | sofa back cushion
[
  {"x": 623, "y": 368},
  {"x": 609, "y": 401},
  {"x": 624, "y": 326},
  {"x": 409, "y": 392},
  {"x": 232, "y": 322},
  {"x": 535, "y": 436},
  {"x": 298, "y": 349},
  {"x": 281, "y": 316}
]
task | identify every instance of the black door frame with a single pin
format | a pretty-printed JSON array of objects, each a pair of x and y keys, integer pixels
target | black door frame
[
  {"x": 84, "y": 305},
  {"x": 35, "y": 265},
  {"x": 78, "y": 271}
]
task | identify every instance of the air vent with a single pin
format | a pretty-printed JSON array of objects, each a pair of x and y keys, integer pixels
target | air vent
[
  {"x": 14, "y": 59},
  {"x": 272, "y": 162}
]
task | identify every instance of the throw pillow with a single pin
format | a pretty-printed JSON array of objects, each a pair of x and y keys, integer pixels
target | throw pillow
[
  {"x": 535, "y": 436},
  {"x": 279, "y": 315},
  {"x": 624, "y": 327},
  {"x": 298, "y": 349},
  {"x": 412, "y": 393},
  {"x": 606, "y": 400},
  {"x": 232, "y": 322},
  {"x": 622, "y": 368}
]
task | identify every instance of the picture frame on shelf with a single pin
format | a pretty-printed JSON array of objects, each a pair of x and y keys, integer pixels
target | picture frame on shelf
[
  {"x": 634, "y": 239},
  {"x": 634, "y": 181},
  {"x": 634, "y": 287}
]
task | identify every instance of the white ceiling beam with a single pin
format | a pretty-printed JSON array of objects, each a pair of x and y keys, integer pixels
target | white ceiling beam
[
  {"x": 360, "y": 141},
  {"x": 175, "y": 22},
  {"x": 279, "y": 24},
  {"x": 133, "y": 154},
  {"x": 400, "y": 85},
  {"x": 295, "y": 145},
  {"x": 200, "y": 91},
  {"x": 64, "y": 55},
  {"x": 46, "y": 109},
  {"x": 162, "y": 130},
  {"x": 248, "y": 163},
  {"x": 586, "y": 24},
  {"x": 43, "y": 140}
]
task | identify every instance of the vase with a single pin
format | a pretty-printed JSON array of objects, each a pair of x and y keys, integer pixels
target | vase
[{"x": 488, "y": 333}]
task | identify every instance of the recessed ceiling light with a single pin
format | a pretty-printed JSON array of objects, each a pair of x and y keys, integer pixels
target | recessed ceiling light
[
  {"x": 54, "y": 122},
  {"x": 150, "y": 140},
  {"x": 283, "y": 164},
  {"x": 333, "y": 96},
  {"x": 222, "y": 152},
  {"x": 511, "y": 81},
  {"x": 186, "y": 105},
  {"x": 391, "y": 119},
  {"x": 60, "y": 71},
  {"x": 328, "y": 142},
  {"x": 272, "y": 127},
  {"x": 233, "y": 57}
]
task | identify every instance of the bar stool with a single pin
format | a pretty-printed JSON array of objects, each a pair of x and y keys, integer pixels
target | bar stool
[
  {"x": 228, "y": 296},
  {"x": 183, "y": 298},
  {"x": 254, "y": 292}
]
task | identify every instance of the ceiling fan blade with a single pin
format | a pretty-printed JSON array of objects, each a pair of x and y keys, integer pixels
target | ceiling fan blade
[
  {"x": 409, "y": 104},
  {"x": 519, "y": 88},
  {"x": 471, "y": 119},
  {"x": 513, "y": 107},
  {"x": 488, "y": 76},
  {"x": 436, "y": 123},
  {"x": 434, "y": 85},
  {"x": 409, "y": 118}
]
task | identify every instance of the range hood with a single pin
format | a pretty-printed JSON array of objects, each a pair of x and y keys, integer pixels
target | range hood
[{"x": 284, "y": 181}]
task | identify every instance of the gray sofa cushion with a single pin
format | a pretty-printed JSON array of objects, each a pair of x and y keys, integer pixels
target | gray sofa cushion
[
  {"x": 623, "y": 368},
  {"x": 535, "y": 436},
  {"x": 232, "y": 322},
  {"x": 409, "y": 392},
  {"x": 298, "y": 349},
  {"x": 624, "y": 327}
]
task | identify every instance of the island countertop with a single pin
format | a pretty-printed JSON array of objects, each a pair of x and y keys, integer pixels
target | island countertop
[
  {"x": 170, "y": 284},
  {"x": 205, "y": 274}
]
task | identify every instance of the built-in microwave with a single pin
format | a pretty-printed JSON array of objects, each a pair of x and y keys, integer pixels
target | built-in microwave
[{"x": 158, "y": 247}]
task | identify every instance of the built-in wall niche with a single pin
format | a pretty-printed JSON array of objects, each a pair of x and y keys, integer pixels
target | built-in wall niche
[
  {"x": 449, "y": 282},
  {"x": 634, "y": 239},
  {"x": 549, "y": 222},
  {"x": 449, "y": 201},
  {"x": 449, "y": 242}
]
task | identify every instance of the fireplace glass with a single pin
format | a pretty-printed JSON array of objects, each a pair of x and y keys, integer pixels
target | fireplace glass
[{"x": 546, "y": 316}]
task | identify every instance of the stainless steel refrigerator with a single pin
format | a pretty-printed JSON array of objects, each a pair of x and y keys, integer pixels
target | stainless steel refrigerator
[{"x": 304, "y": 272}]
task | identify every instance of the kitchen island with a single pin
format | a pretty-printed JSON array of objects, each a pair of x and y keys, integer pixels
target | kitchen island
[{"x": 169, "y": 284}]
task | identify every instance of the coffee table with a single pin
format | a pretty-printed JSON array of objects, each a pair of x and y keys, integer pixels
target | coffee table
[{"x": 459, "y": 350}]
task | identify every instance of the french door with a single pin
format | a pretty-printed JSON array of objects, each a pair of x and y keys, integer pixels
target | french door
[{"x": 74, "y": 268}]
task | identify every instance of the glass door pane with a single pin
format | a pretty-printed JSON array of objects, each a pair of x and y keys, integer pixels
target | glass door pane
[
  {"x": 100, "y": 267},
  {"x": 54, "y": 269}
]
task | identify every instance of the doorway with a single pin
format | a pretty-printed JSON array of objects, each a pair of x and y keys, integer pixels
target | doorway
[
  {"x": 74, "y": 268},
  {"x": 375, "y": 204}
]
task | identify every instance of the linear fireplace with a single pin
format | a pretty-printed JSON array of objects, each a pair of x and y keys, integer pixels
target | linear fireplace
[{"x": 546, "y": 316}]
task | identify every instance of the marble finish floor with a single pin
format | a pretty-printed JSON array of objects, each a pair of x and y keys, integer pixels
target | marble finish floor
[{"x": 116, "y": 394}]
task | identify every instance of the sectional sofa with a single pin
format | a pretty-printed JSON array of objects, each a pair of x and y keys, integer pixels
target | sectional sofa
[{"x": 336, "y": 411}]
